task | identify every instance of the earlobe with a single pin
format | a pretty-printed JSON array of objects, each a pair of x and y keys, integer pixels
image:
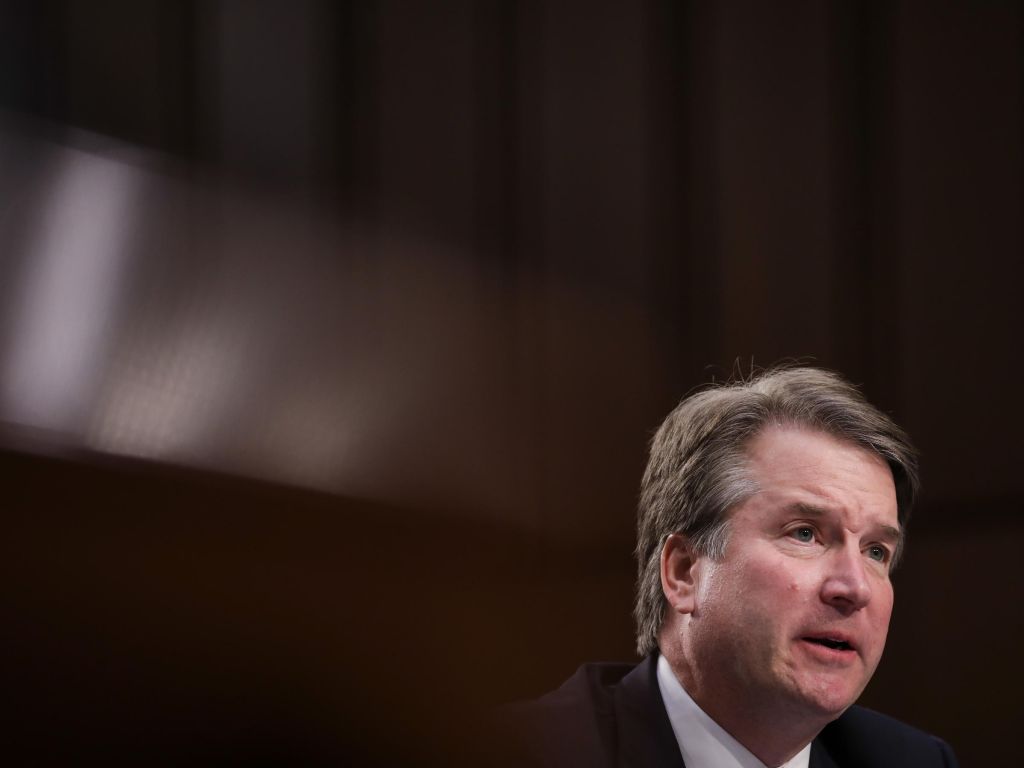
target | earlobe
[{"x": 678, "y": 574}]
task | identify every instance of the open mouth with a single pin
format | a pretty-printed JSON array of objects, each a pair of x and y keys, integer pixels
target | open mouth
[{"x": 828, "y": 642}]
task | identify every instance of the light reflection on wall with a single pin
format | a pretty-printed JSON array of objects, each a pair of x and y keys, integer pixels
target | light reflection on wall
[
  {"x": 161, "y": 400},
  {"x": 192, "y": 322},
  {"x": 189, "y": 320},
  {"x": 68, "y": 291}
]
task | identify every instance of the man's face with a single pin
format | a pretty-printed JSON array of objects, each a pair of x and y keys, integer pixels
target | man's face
[{"x": 795, "y": 615}]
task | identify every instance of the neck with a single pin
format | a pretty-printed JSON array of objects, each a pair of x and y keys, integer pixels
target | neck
[{"x": 773, "y": 734}]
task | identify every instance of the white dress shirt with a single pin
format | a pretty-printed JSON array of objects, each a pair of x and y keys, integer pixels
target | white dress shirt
[{"x": 703, "y": 742}]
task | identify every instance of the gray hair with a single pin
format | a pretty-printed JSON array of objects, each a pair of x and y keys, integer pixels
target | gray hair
[{"x": 696, "y": 472}]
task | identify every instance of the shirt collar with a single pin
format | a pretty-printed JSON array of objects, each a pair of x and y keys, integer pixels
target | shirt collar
[{"x": 703, "y": 742}]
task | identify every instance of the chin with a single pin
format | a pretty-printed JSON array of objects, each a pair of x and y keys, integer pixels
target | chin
[
  {"x": 832, "y": 709},
  {"x": 830, "y": 701}
]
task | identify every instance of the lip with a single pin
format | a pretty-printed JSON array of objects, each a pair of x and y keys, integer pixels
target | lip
[
  {"x": 842, "y": 637},
  {"x": 826, "y": 655}
]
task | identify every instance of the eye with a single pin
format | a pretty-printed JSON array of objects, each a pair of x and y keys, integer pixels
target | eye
[
  {"x": 804, "y": 534},
  {"x": 878, "y": 552}
]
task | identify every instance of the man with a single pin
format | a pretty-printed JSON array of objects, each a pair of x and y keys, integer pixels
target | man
[{"x": 771, "y": 514}]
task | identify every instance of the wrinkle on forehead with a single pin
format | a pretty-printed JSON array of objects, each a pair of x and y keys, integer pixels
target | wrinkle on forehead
[{"x": 826, "y": 471}]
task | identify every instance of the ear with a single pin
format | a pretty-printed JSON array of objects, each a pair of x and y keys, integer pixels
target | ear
[{"x": 678, "y": 561}]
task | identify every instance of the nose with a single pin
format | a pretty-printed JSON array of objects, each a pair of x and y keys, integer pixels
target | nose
[{"x": 846, "y": 586}]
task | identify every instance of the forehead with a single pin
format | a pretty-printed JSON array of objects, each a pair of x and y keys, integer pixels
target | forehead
[{"x": 811, "y": 466}]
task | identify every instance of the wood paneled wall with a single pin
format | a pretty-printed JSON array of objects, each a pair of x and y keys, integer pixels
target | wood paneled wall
[{"x": 450, "y": 264}]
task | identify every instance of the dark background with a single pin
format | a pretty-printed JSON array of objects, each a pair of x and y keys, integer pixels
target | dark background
[{"x": 332, "y": 335}]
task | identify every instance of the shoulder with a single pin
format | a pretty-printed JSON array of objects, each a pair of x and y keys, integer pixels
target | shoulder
[
  {"x": 593, "y": 685},
  {"x": 572, "y": 725},
  {"x": 865, "y": 737}
]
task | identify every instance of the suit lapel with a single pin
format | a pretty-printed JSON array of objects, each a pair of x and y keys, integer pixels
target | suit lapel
[
  {"x": 645, "y": 736},
  {"x": 820, "y": 758}
]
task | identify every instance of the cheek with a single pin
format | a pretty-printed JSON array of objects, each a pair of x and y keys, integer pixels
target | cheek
[
  {"x": 779, "y": 578},
  {"x": 883, "y": 610},
  {"x": 766, "y": 589}
]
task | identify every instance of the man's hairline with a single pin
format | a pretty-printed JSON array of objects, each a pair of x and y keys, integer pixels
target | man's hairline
[{"x": 722, "y": 527}]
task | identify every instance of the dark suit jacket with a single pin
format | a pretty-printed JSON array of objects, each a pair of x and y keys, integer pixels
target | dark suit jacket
[{"x": 612, "y": 715}]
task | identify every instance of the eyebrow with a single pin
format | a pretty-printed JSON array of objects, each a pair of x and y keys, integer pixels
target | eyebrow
[{"x": 891, "y": 534}]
